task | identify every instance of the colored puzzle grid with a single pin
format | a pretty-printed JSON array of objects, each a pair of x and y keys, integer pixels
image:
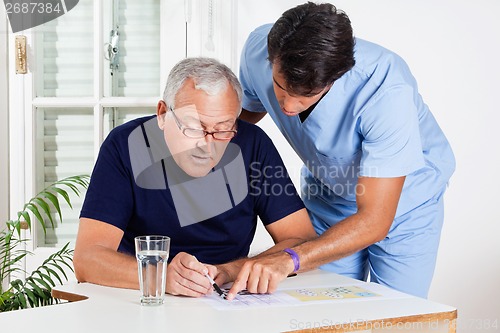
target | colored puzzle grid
[{"x": 324, "y": 294}]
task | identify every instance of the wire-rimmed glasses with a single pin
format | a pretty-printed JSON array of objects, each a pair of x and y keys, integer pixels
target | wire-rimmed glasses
[{"x": 196, "y": 133}]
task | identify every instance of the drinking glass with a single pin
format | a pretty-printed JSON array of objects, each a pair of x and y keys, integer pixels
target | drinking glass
[{"x": 152, "y": 255}]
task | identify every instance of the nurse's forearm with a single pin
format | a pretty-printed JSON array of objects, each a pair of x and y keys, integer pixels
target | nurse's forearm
[
  {"x": 377, "y": 205},
  {"x": 343, "y": 239}
]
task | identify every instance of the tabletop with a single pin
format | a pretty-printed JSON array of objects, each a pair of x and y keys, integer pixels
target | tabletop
[{"x": 97, "y": 309}]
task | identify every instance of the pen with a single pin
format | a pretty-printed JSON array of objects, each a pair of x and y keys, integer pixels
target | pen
[{"x": 216, "y": 287}]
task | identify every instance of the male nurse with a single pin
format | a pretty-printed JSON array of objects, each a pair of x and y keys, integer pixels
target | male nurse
[{"x": 376, "y": 163}]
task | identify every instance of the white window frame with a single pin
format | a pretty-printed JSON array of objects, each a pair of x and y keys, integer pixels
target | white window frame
[
  {"x": 22, "y": 107},
  {"x": 4, "y": 125},
  {"x": 22, "y": 104}
]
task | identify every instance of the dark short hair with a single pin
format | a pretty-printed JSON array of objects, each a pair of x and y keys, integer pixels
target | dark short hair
[{"x": 313, "y": 45}]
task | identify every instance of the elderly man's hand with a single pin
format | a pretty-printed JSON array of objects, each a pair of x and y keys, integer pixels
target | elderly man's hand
[
  {"x": 262, "y": 275},
  {"x": 186, "y": 276}
]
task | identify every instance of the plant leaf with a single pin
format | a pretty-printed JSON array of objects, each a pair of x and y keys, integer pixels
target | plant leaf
[
  {"x": 16, "y": 259},
  {"x": 36, "y": 212},
  {"x": 31, "y": 296},
  {"x": 64, "y": 194},
  {"x": 45, "y": 207},
  {"x": 46, "y": 278},
  {"x": 59, "y": 268},
  {"x": 71, "y": 186},
  {"x": 52, "y": 273},
  {"x": 35, "y": 286},
  {"x": 26, "y": 217},
  {"x": 22, "y": 300},
  {"x": 65, "y": 263},
  {"x": 55, "y": 202},
  {"x": 42, "y": 283}
]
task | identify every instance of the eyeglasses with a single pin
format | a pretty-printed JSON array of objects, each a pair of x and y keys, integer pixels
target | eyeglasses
[{"x": 196, "y": 133}]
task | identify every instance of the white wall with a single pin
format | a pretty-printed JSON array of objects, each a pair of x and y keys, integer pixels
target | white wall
[{"x": 453, "y": 49}]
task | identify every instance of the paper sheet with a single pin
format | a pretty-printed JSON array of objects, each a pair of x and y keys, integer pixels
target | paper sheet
[{"x": 299, "y": 296}]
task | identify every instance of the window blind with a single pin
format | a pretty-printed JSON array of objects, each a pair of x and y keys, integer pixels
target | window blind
[
  {"x": 65, "y": 148},
  {"x": 64, "y": 48},
  {"x": 114, "y": 117}
]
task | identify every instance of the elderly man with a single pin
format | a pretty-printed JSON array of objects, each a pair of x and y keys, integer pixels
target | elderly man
[{"x": 195, "y": 173}]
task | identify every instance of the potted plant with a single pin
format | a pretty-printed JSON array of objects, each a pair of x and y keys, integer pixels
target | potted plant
[{"x": 36, "y": 289}]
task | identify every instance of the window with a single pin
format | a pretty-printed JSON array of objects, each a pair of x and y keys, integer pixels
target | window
[{"x": 90, "y": 70}]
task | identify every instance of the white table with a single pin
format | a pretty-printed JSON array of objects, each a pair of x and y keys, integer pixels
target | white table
[{"x": 105, "y": 309}]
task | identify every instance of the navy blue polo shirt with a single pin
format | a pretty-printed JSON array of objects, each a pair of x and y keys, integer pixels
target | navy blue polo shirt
[{"x": 137, "y": 187}]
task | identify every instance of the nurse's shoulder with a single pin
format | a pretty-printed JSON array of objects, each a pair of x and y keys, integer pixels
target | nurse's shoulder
[
  {"x": 258, "y": 38},
  {"x": 380, "y": 65}
]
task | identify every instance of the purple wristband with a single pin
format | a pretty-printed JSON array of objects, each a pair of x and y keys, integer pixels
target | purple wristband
[{"x": 295, "y": 258}]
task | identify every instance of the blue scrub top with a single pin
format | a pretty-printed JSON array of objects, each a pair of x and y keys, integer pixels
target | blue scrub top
[{"x": 372, "y": 122}]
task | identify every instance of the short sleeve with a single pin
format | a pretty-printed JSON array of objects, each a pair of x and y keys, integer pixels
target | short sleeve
[
  {"x": 250, "y": 100},
  {"x": 109, "y": 197},
  {"x": 391, "y": 139}
]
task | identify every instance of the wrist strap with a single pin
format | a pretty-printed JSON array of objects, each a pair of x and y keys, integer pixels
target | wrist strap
[{"x": 295, "y": 258}]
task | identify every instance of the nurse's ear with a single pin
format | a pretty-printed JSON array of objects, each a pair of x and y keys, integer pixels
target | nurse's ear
[{"x": 161, "y": 111}]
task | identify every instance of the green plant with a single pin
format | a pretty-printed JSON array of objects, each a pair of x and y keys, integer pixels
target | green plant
[{"x": 36, "y": 289}]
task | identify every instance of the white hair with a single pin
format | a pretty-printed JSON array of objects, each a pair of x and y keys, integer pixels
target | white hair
[{"x": 208, "y": 74}]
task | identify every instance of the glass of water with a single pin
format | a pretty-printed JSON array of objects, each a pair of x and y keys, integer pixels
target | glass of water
[{"x": 152, "y": 254}]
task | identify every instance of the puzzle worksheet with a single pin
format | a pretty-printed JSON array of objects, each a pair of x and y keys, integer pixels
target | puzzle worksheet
[
  {"x": 299, "y": 296},
  {"x": 332, "y": 293}
]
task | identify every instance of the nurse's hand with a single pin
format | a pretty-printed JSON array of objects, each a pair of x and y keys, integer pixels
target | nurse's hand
[
  {"x": 186, "y": 276},
  {"x": 262, "y": 275}
]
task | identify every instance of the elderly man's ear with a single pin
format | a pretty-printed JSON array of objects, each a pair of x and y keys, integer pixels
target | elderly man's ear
[{"x": 161, "y": 110}]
